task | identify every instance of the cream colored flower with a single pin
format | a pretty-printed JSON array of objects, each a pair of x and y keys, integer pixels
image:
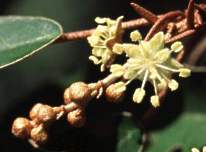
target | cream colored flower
[
  {"x": 150, "y": 61},
  {"x": 197, "y": 150},
  {"x": 102, "y": 40}
]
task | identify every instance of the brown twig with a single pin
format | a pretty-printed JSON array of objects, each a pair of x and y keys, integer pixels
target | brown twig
[
  {"x": 132, "y": 24},
  {"x": 201, "y": 7},
  {"x": 182, "y": 35},
  {"x": 151, "y": 17},
  {"x": 190, "y": 15},
  {"x": 198, "y": 18},
  {"x": 82, "y": 34},
  {"x": 162, "y": 22}
]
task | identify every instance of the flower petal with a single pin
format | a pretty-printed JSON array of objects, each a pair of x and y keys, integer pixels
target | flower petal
[
  {"x": 97, "y": 52},
  {"x": 129, "y": 74},
  {"x": 118, "y": 48},
  {"x": 117, "y": 70},
  {"x": 157, "y": 41},
  {"x": 162, "y": 55},
  {"x": 93, "y": 40},
  {"x": 175, "y": 63},
  {"x": 133, "y": 51},
  {"x": 145, "y": 48}
]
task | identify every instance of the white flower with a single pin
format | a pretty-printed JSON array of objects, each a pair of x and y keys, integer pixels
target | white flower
[
  {"x": 103, "y": 39},
  {"x": 197, "y": 150},
  {"x": 150, "y": 61}
]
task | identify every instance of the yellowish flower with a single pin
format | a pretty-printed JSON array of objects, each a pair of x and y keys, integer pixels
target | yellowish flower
[
  {"x": 102, "y": 40},
  {"x": 150, "y": 61},
  {"x": 197, "y": 150}
]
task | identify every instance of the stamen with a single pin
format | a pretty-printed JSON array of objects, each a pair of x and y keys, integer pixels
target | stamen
[
  {"x": 145, "y": 79},
  {"x": 138, "y": 73},
  {"x": 164, "y": 77},
  {"x": 155, "y": 86},
  {"x": 167, "y": 68}
]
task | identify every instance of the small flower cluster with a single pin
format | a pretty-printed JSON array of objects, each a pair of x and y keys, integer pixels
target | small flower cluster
[
  {"x": 146, "y": 61},
  {"x": 103, "y": 39},
  {"x": 197, "y": 150}
]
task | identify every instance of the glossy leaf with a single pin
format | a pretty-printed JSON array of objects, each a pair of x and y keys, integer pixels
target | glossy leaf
[{"x": 22, "y": 36}]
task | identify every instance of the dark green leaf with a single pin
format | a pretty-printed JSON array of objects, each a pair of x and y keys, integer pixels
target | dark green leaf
[
  {"x": 188, "y": 130},
  {"x": 129, "y": 136},
  {"x": 20, "y": 37}
]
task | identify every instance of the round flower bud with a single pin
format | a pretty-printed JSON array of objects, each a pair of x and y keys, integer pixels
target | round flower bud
[
  {"x": 113, "y": 95},
  {"x": 34, "y": 111},
  {"x": 21, "y": 128},
  {"x": 80, "y": 93},
  {"x": 39, "y": 135},
  {"x": 76, "y": 118},
  {"x": 67, "y": 98},
  {"x": 44, "y": 113}
]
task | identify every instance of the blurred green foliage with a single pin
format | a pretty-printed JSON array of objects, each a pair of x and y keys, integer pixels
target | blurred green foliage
[{"x": 63, "y": 64}]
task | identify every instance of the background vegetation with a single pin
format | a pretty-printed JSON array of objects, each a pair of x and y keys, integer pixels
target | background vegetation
[{"x": 43, "y": 78}]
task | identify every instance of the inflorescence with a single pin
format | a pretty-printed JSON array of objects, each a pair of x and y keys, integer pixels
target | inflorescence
[{"x": 146, "y": 60}]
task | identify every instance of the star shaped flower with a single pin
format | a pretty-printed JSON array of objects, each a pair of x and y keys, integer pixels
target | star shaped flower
[
  {"x": 102, "y": 40},
  {"x": 149, "y": 61}
]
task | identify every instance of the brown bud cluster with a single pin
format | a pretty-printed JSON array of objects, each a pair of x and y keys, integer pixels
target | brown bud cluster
[
  {"x": 78, "y": 92},
  {"x": 77, "y": 95},
  {"x": 34, "y": 129},
  {"x": 112, "y": 95}
]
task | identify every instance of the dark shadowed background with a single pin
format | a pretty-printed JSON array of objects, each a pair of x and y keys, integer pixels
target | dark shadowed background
[{"x": 43, "y": 77}]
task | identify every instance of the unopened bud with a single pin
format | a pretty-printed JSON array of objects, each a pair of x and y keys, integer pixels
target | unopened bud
[
  {"x": 34, "y": 111},
  {"x": 21, "y": 128},
  {"x": 80, "y": 93},
  {"x": 76, "y": 118},
  {"x": 42, "y": 113},
  {"x": 113, "y": 95},
  {"x": 39, "y": 135},
  {"x": 67, "y": 98}
]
